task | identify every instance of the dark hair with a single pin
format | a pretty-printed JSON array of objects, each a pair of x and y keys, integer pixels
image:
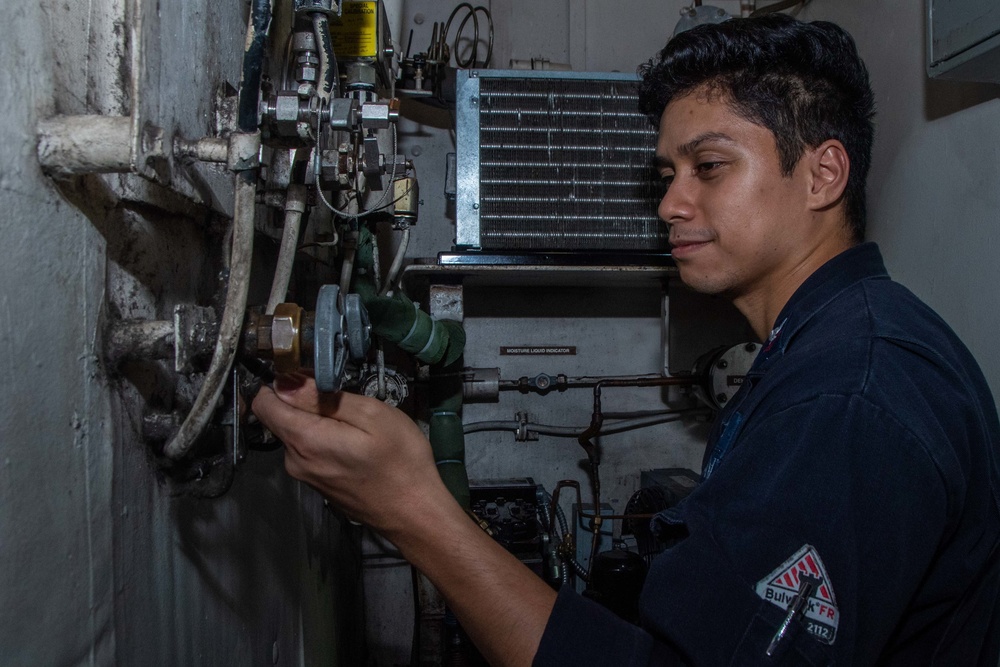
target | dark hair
[{"x": 802, "y": 81}]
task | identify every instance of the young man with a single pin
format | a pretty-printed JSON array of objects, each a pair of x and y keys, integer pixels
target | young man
[{"x": 849, "y": 511}]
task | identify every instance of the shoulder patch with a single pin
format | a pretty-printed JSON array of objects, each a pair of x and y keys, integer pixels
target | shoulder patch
[{"x": 821, "y": 615}]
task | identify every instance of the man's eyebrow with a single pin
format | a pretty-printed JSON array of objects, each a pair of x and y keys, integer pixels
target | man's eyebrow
[{"x": 689, "y": 147}]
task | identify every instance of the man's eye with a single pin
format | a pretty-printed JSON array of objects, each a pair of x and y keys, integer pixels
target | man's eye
[
  {"x": 666, "y": 180},
  {"x": 707, "y": 167}
]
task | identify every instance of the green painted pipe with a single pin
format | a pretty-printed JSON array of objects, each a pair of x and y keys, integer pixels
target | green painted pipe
[
  {"x": 439, "y": 343},
  {"x": 397, "y": 319},
  {"x": 446, "y": 435}
]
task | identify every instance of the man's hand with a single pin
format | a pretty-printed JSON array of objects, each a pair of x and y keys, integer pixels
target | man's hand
[
  {"x": 373, "y": 462},
  {"x": 368, "y": 458}
]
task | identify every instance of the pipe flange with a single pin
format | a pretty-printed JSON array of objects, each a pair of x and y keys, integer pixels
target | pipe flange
[
  {"x": 329, "y": 350},
  {"x": 358, "y": 327}
]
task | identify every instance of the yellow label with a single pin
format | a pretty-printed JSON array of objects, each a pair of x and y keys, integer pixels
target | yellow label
[{"x": 356, "y": 33}]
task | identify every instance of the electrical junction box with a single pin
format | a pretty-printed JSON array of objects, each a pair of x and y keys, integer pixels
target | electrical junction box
[{"x": 963, "y": 40}]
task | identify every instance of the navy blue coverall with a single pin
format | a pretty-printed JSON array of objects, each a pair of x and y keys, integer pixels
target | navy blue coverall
[{"x": 860, "y": 457}]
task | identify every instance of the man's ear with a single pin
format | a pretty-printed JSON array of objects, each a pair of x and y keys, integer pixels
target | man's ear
[{"x": 829, "y": 167}]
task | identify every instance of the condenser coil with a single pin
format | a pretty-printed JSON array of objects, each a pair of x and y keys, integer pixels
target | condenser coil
[{"x": 555, "y": 161}]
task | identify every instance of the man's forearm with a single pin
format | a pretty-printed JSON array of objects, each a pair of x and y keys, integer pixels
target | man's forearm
[{"x": 501, "y": 604}]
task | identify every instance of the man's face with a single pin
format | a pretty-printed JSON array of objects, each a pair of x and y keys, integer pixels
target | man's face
[{"x": 736, "y": 222}]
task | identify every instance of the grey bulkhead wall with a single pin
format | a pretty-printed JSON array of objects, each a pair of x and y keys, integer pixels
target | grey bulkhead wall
[
  {"x": 99, "y": 564},
  {"x": 934, "y": 204}
]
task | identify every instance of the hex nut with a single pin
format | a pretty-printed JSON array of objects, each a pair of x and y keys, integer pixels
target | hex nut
[
  {"x": 285, "y": 337},
  {"x": 306, "y": 73}
]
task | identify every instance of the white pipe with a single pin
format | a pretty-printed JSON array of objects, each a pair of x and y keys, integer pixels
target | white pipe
[
  {"x": 295, "y": 206},
  {"x": 85, "y": 144},
  {"x": 244, "y": 208},
  {"x": 397, "y": 263},
  {"x": 350, "y": 248},
  {"x": 208, "y": 149}
]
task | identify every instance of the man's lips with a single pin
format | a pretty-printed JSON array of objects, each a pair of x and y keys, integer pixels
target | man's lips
[{"x": 684, "y": 247}]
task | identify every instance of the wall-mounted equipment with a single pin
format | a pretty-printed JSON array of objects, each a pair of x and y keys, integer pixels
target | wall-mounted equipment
[
  {"x": 963, "y": 40},
  {"x": 555, "y": 161}
]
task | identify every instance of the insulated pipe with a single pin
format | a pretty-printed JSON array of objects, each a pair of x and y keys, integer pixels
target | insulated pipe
[
  {"x": 85, "y": 144},
  {"x": 232, "y": 319},
  {"x": 208, "y": 149},
  {"x": 397, "y": 319},
  {"x": 446, "y": 437},
  {"x": 295, "y": 206},
  {"x": 436, "y": 342}
]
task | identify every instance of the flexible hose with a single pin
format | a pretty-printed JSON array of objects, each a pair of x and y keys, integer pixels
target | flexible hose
[
  {"x": 241, "y": 252},
  {"x": 232, "y": 319},
  {"x": 295, "y": 206}
]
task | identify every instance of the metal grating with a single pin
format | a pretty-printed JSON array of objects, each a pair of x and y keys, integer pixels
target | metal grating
[{"x": 563, "y": 164}]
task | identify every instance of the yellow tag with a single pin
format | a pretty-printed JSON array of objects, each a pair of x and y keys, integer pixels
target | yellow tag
[{"x": 356, "y": 34}]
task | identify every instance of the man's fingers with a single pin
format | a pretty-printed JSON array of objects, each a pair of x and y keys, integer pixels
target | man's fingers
[
  {"x": 300, "y": 392},
  {"x": 289, "y": 424}
]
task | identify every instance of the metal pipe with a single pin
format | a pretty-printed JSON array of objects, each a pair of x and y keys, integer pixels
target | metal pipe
[
  {"x": 146, "y": 338},
  {"x": 522, "y": 383},
  {"x": 576, "y": 431},
  {"x": 295, "y": 206},
  {"x": 208, "y": 149}
]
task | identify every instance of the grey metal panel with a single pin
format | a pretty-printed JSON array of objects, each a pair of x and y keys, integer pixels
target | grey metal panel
[
  {"x": 963, "y": 39},
  {"x": 467, "y": 133}
]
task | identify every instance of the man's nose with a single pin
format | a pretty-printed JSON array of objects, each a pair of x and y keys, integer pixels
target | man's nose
[{"x": 677, "y": 204}]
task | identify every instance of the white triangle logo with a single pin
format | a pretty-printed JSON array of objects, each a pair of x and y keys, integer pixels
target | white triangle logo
[{"x": 821, "y": 616}]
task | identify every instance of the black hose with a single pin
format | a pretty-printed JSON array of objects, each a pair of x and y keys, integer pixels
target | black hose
[{"x": 253, "y": 65}]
